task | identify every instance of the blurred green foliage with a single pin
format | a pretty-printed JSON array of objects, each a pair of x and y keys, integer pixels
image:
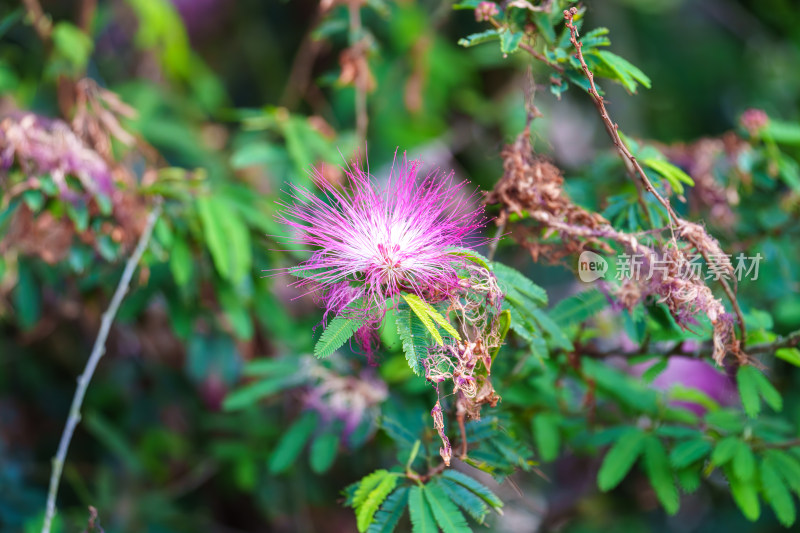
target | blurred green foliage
[{"x": 208, "y": 412}]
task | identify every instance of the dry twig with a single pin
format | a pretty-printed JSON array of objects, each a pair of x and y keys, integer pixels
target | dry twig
[{"x": 97, "y": 352}]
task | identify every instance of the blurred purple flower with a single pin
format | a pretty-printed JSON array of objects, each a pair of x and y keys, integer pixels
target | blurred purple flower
[
  {"x": 42, "y": 146},
  {"x": 693, "y": 374},
  {"x": 370, "y": 242},
  {"x": 348, "y": 399},
  {"x": 201, "y": 17}
]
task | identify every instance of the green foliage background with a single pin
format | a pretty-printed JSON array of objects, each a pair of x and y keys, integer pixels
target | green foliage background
[{"x": 195, "y": 420}]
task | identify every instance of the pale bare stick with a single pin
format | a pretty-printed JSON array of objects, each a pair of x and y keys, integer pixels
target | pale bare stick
[{"x": 97, "y": 352}]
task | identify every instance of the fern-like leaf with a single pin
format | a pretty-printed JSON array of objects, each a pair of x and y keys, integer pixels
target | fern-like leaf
[
  {"x": 788, "y": 465},
  {"x": 445, "y": 511},
  {"x": 292, "y": 442},
  {"x": 366, "y": 511},
  {"x": 412, "y": 334},
  {"x": 442, "y": 321},
  {"x": 470, "y": 502},
  {"x": 656, "y": 463},
  {"x": 578, "y": 308},
  {"x": 619, "y": 459},
  {"x": 557, "y": 335},
  {"x": 475, "y": 486},
  {"x": 418, "y": 306},
  {"x": 744, "y": 494},
  {"x": 471, "y": 255},
  {"x": 422, "y": 519},
  {"x": 389, "y": 514},
  {"x": 366, "y": 486},
  {"x": 339, "y": 330},
  {"x": 777, "y": 493},
  {"x": 513, "y": 281}
]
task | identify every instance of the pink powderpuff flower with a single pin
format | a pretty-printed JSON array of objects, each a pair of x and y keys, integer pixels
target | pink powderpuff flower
[
  {"x": 754, "y": 121},
  {"x": 485, "y": 11},
  {"x": 371, "y": 242}
]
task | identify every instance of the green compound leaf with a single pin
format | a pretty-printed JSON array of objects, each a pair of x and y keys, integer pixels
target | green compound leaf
[
  {"x": 689, "y": 479},
  {"x": 181, "y": 263},
  {"x": 625, "y": 72},
  {"x": 274, "y": 376},
  {"x": 422, "y": 520},
  {"x": 292, "y": 442},
  {"x": 745, "y": 495},
  {"x": 412, "y": 333},
  {"x": 578, "y": 308},
  {"x": 369, "y": 506},
  {"x": 339, "y": 331},
  {"x": 674, "y": 175},
  {"x": 226, "y": 236},
  {"x": 504, "y": 324},
  {"x": 512, "y": 280},
  {"x": 546, "y": 435},
  {"x": 387, "y": 517},
  {"x": 596, "y": 37},
  {"x": 445, "y": 511},
  {"x": 777, "y": 493},
  {"x": 428, "y": 315},
  {"x": 619, "y": 459},
  {"x": 790, "y": 355},
  {"x": 417, "y": 306},
  {"x": 687, "y": 452},
  {"x": 323, "y": 451},
  {"x": 73, "y": 45},
  {"x": 752, "y": 384},
  {"x": 656, "y": 464},
  {"x": 788, "y": 465},
  {"x": 748, "y": 391},
  {"x": 744, "y": 462},
  {"x": 653, "y": 372},
  {"x": 365, "y": 487},
  {"x": 471, "y": 255},
  {"x": 476, "y": 487},
  {"x": 441, "y": 320},
  {"x": 724, "y": 451},
  {"x": 769, "y": 393},
  {"x": 478, "y": 38},
  {"x": 783, "y": 132},
  {"x": 557, "y": 335},
  {"x": 470, "y": 502}
]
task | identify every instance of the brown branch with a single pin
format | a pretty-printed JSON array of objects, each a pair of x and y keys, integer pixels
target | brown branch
[
  {"x": 640, "y": 198},
  {"x": 613, "y": 131},
  {"x": 300, "y": 74},
  {"x": 361, "y": 81},
  {"x": 463, "y": 431},
  {"x": 86, "y": 15},
  {"x": 41, "y": 23},
  {"x": 501, "y": 228},
  {"x": 424, "y": 478},
  {"x": 65, "y": 92},
  {"x": 611, "y": 127},
  {"x": 729, "y": 292},
  {"x": 558, "y": 68},
  {"x": 789, "y": 341},
  {"x": 792, "y": 443}
]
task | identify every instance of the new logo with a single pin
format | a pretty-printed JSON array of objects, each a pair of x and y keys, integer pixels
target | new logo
[{"x": 591, "y": 267}]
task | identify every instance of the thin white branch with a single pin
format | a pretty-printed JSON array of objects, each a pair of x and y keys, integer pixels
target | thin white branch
[{"x": 98, "y": 350}]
